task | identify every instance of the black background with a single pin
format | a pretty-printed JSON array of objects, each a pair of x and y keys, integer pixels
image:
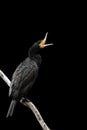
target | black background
[
  {"x": 52, "y": 93},
  {"x": 15, "y": 49}
]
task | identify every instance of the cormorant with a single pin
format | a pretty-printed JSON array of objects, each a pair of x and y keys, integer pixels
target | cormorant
[{"x": 25, "y": 74}]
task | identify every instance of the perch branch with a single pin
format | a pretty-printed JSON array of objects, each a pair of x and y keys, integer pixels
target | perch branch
[
  {"x": 28, "y": 104},
  {"x": 5, "y": 78}
]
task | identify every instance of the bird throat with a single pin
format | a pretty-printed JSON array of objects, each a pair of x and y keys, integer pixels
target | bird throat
[{"x": 37, "y": 58}]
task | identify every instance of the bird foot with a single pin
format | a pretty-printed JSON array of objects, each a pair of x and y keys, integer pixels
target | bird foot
[{"x": 24, "y": 100}]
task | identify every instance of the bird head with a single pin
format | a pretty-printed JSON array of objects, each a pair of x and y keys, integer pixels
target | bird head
[
  {"x": 35, "y": 49},
  {"x": 39, "y": 45}
]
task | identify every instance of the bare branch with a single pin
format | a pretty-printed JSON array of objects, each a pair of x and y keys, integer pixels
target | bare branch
[
  {"x": 28, "y": 104},
  {"x": 35, "y": 111},
  {"x": 5, "y": 78}
]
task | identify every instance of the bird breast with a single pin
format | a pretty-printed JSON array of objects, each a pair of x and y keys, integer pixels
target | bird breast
[{"x": 23, "y": 78}]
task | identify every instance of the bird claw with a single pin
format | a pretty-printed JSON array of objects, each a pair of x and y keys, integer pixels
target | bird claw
[{"x": 24, "y": 100}]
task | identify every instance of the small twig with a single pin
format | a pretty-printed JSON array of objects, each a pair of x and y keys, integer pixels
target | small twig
[{"x": 28, "y": 103}]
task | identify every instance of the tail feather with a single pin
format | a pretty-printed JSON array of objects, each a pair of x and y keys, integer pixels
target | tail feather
[{"x": 11, "y": 108}]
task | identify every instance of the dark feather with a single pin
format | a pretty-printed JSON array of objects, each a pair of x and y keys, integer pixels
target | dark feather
[
  {"x": 23, "y": 78},
  {"x": 11, "y": 108}
]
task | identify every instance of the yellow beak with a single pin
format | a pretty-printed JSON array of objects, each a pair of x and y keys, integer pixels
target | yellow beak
[{"x": 43, "y": 42}]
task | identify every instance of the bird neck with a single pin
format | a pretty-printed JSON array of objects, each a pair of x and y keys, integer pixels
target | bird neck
[
  {"x": 33, "y": 51},
  {"x": 34, "y": 56},
  {"x": 37, "y": 58}
]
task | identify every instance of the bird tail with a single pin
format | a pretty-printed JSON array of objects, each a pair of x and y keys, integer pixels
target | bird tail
[{"x": 11, "y": 108}]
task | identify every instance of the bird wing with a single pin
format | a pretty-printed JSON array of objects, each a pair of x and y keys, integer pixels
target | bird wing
[{"x": 25, "y": 73}]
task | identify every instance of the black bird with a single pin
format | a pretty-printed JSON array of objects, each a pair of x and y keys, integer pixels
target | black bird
[{"x": 25, "y": 74}]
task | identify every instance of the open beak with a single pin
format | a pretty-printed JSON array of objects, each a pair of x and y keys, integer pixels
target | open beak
[{"x": 43, "y": 42}]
